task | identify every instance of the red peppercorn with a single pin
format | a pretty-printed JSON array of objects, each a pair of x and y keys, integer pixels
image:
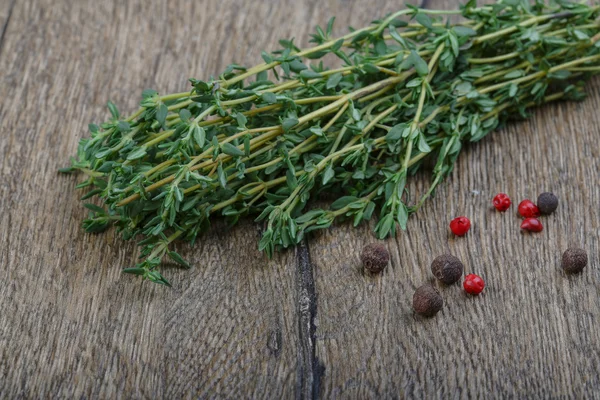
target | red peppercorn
[
  {"x": 460, "y": 226},
  {"x": 502, "y": 202},
  {"x": 473, "y": 284},
  {"x": 532, "y": 225},
  {"x": 528, "y": 210}
]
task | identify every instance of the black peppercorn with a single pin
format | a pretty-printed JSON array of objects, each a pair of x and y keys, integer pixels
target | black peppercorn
[
  {"x": 574, "y": 260},
  {"x": 447, "y": 268},
  {"x": 547, "y": 202},
  {"x": 375, "y": 257},
  {"x": 427, "y": 301}
]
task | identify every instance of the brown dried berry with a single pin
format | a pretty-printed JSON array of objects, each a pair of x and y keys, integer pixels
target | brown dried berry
[
  {"x": 574, "y": 260},
  {"x": 375, "y": 257},
  {"x": 427, "y": 301},
  {"x": 447, "y": 268},
  {"x": 547, "y": 202}
]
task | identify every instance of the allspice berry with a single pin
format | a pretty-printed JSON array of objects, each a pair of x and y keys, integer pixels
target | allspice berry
[
  {"x": 375, "y": 257},
  {"x": 447, "y": 268},
  {"x": 427, "y": 301},
  {"x": 574, "y": 260},
  {"x": 547, "y": 202}
]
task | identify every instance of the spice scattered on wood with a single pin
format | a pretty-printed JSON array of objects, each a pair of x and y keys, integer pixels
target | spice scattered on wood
[
  {"x": 460, "y": 226},
  {"x": 547, "y": 203},
  {"x": 447, "y": 268},
  {"x": 427, "y": 301},
  {"x": 262, "y": 141},
  {"x": 375, "y": 257},
  {"x": 532, "y": 225},
  {"x": 574, "y": 260},
  {"x": 528, "y": 210},
  {"x": 502, "y": 202},
  {"x": 473, "y": 284}
]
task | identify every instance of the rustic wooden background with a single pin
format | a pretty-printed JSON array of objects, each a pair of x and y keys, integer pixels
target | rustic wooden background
[{"x": 308, "y": 323}]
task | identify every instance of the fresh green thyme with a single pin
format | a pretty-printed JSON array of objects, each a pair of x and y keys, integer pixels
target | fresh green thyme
[{"x": 264, "y": 140}]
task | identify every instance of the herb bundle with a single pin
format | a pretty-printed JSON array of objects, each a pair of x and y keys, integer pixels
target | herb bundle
[{"x": 265, "y": 140}]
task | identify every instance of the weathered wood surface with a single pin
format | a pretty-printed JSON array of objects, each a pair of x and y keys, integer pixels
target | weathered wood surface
[{"x": 308, "y": 323}]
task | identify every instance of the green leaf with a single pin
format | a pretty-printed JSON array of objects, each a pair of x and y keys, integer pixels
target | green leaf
[
  {"x": 156, "y": 277},
  {"x": 328, "y": 174},
  {"x": 422, "y": 145},
  {"x": 123, "y": 126},
  {"x": 310, "y": 74},
  {"x": 199, "y": 135},
  {"x": 266, "y": 57},
  {"x": 93, "y": 128},
  {"x": 512, "y": 91},
  {"x": 454, "y": 43},
  {"x": 222, "y": 176},
  {"x": 147, "y": 93},
  {"x": 313, "y": 214},
  {"x": 370, "y": 69},
  {"x": 113, "y": 110},
  {"x": 397, "y": 37},
  {"x": 463, "y": 88},
  {"x": 178, "y": 259},
  {"x": 337, "y": 45},
  {"x": 464, "y": 31},
  {"x": 402, "y": 217},
  {"x": 384, "y": 226},
  {"x": 91, "y": 193},
  {"x": 419, "y": 63},
  {"x": 161, "y": 114},
  {"x": 343, "y": 202},
  {"x": 138, "y": 153},
  {"x": 334, "y": 80},
  {"x": 185, "y": 115},
  {"x": 395, "y": 133},
  {"x": 135, "y": 271},
  {"x": 329, "y": 29},
  {"x": 561, "y": 74},
  {"x": 231, "y": 150},
  {"x": 289, "y": 123},
  {"x": 269, "y": 97},
  {"x": 316, "y": 130},
  {"x": 514, "y": 74},
  {"x": 297, "y": 66},
  {"x": 241, "y": 120},
  {"x": 424, "y": 20},
  {"x": 580, "y": 35},
  {"x": 95, "y": 208},
  {"x": 247, "y": 145}
]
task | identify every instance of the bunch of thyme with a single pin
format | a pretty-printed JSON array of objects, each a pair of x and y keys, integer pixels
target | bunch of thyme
[{"x": 265, "y": 140}]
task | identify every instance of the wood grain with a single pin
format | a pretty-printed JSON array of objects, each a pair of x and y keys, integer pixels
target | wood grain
[{"x": 237, "y": 324}]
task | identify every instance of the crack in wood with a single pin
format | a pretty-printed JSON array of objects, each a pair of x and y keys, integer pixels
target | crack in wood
[{"x": 310, "y": 370}]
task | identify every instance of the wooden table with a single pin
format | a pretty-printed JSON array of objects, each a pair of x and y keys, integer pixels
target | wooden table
[{"x": 308, "y": 323}]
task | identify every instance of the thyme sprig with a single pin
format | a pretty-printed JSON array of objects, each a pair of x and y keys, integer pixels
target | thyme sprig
[{"x": 266, "y": 140}]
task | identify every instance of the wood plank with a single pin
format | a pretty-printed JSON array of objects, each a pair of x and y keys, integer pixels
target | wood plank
[
  {"x": 75, "y": 326},
  {"x": 238, "y": 325},
  {"x": 532, "y": 333}
]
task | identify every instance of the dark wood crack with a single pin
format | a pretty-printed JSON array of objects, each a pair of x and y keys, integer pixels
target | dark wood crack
[{"x": 310, "y": 370}]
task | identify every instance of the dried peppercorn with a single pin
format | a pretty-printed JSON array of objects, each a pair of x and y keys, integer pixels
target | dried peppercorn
[
  {"x": 574, "y": 260},
  {"x": 375, "y": 257},
  {"x": 447, "y": 268},
  {"x": 473, "y": 284},
  {"x": 427, "y": 301},
  {"x": 547, "y": 202},
  {"x": 502, "y": 202},
  {"x": 528, "y": 210},
  {"x": 532, "y": 225},
  {"x": 460, "y": 226}
]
